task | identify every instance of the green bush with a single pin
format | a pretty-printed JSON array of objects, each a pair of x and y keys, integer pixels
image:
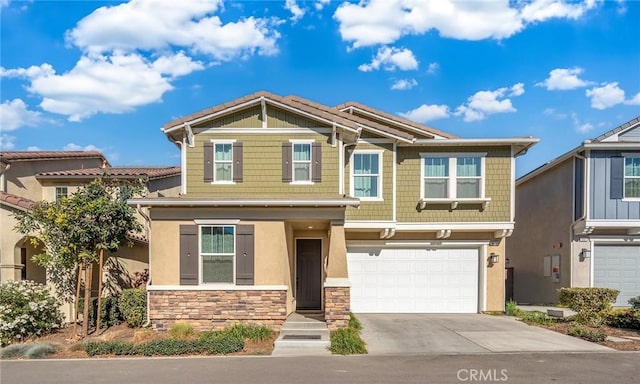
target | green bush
[
  {"x": 27, "y": 309},
  {"x": 535, "y": 317},
  {"x": 110, "y": 314},
  {"x": 242, "y": 331},
  {"x": 347, "y": 341},
  {"x": 29, "y": 351},
  {"x": 591, "y": 304},
  {"x": 627, "y": 318},
  {"x": 182, "y": 331},
  {"x": 354, "y": 323},
  {"x": 511, "y": 308},
  {"x": 167, "y": 347},
  {"x": 133, "y": 306},
  {"x": 634, "y": 302},
  {"x": 583, "y": 332}
]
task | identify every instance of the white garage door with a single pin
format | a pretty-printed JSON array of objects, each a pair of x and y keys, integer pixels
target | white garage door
[
  {"x": 618, "y": 267},
  {"x": 386, "y": 280}
]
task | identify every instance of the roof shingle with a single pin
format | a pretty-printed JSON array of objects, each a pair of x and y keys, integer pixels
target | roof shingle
[
  {"x": 127, "y": 172},
  {"x": 9, "y": 156},
  {"x": 16, "y": 201}
]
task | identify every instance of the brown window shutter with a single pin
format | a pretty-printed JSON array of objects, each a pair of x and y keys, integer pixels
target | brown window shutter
[
  {"x": 208, "y": 162},
  {"x": 189, "y": 255},
  {"x": 244, "y": 255},
  {"x": 316, "y": 158},
  {"x": 237, "y": 162},
  {"x": 287, "y": 159}
]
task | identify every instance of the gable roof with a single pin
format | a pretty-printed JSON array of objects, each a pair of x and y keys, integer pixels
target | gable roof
[
  {"x": 394, "y": 119},
  {"x": 15, "y": 201},
  {"x": 121, "y": 172},
  {"x": 11, "y": 156},
  {"x": 618, "y": 129}
]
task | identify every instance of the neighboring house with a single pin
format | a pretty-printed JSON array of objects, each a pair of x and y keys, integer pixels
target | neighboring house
[
  {"x": 29, "y": 177},
  {"x": 578, "y": 220},
  {"x": 288, "y": 205}
]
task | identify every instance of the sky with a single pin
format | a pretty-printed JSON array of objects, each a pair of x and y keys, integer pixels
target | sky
[{"x": 92, "y": 75}]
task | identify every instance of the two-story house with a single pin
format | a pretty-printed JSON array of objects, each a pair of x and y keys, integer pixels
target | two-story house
[
  {"x": 289, "y": 205},
  {"x": 27, "y": 177},
  {"x": 578, "y": 220}
]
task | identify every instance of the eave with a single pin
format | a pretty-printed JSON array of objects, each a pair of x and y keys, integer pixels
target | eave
[{"x": 198, "y": 202}]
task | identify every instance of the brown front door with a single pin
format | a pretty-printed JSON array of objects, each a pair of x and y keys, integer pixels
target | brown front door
[
  {"x": 308, "y": 274},
  {"x": 508, "y": 284}
]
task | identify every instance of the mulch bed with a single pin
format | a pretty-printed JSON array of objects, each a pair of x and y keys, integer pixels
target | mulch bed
[{"x": 631, "y": 345}]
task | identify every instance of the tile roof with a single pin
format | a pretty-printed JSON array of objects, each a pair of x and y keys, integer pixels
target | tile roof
[
  {"x": 618, "y": 129},
  {"x": 16, "y": 201},
  {"x": 150, "y": 172},
  {"x": 9, "y": 156},
  {"x": 400, "y": 120}
]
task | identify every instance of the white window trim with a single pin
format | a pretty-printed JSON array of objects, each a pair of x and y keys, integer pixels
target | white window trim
[
  {"x": 452, "y": 181},
  {"x": 228, "y": 141},
  {"x": 625, "y": 177},
  {"x": 380, "y": 154},
  {"x": 55, "y": 191},
  {"x": 293, "y": 173},
  {"x": 200, "y": 254}
]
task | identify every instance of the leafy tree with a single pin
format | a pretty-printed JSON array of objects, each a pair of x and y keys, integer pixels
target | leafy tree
[{"x": 76, "y": 231}]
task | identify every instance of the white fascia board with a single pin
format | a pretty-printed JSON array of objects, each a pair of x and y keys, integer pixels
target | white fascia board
[
  {"x": 543, "y": 168},
  {"x": 612, "y": 223},
  {"x": 369, "y": 224},
  {"x": 459, "y": 227},
  {"x": 438, "y": 243},
  {"x": 613, "y": 146},
  {"x": 243, "y": 202},
  {"x": 386, "y": 134},
  {"x": 211, "y": 116},
  {"x": 491, "y": 142}
]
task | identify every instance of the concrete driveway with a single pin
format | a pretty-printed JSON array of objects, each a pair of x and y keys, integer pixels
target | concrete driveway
[{"x": 392, "y": 334}]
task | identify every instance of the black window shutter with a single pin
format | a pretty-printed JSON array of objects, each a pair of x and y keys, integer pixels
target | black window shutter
[
  {"x": 617, "y": 178},
  {"x": 316, "y": 157},
  {"x": 244, "y": 255},
  {"x": 237, "y": 162},
  {"x": 287, "y": 159},
  {"x": 208, "y": 162},
  {"x": 189, "y": 255}
]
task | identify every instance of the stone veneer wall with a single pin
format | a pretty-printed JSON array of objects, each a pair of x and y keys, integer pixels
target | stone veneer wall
[
  {"x": 207, "y": 309},
  {"x": 336, "y": 307}
]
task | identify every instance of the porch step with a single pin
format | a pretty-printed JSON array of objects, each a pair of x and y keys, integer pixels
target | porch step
[{"x": 302, "y": 336}]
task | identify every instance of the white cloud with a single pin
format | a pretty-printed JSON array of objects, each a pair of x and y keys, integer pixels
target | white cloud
[
  {"x": 606, "y": 96},
  {"x": 561, "y": 79},
  {"x": 425, "y": 113},
  {"x": 76, "y": 147},
  {"x": 155, "y": 25},
  {"x": 107, "y": 84},
  {"x": 581, "y": 127},
  {"x": 296, "y": 12},
  {"x": 320, "y": 4},
  {"x": 404, "y": 84},
  {"x": 433, "y": 68},
  {"x": 385, "y": 21},
  {"x": 4, "y": 3},
  {"x": 7, "y": 142},
  {"x": 15, "y": 114},
  {"x": 32, "y": 71},
  {"x": 553, "y": 113},
  {"x": 634, "y": 100},
  {"x": 484, "y": 103},
  {"x": 33, "y": 148},
  {"x": 390, "y": 59}
]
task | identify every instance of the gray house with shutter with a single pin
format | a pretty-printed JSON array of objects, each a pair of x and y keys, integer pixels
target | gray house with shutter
[{"x": 578, "y": 221}]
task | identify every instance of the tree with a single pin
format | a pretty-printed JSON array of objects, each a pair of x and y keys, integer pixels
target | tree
[{"x": 77, "y": 230}]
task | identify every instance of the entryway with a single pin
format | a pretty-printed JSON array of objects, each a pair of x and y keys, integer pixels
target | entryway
[{"x": 309, "y": 274}]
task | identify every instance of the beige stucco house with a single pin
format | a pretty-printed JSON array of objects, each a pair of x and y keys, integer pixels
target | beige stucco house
[
  {"x": 289, "y": 205},
  {"x": 32, "y": 176}
]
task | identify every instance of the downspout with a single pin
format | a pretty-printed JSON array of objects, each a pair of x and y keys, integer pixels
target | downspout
[
  {"x": 147, "y": 227},
  {"x": 584, "y": 210}
]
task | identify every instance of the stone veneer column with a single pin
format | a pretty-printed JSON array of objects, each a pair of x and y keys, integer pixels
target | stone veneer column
[{"x": 337, "y": 304}]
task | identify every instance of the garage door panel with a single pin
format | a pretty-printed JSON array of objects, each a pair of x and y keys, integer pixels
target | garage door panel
[
  {"x": 386, "y": 280},
  {"x": 617, "y": 267}
]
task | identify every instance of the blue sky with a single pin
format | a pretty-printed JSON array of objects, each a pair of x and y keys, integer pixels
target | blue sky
[{"x": 107, "y": 75}]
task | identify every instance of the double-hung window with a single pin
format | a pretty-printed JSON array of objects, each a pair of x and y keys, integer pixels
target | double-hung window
[
  {"x": 301, "y": 162},
  {"x": 366, "y": 178},
  {"x": 632, "y": 177},
  {"x": 61, "y": 192},
  {"x": 223, "y": 162},
  {"x": 453, "y": 176},
  {"x": 217, "y": 253}
]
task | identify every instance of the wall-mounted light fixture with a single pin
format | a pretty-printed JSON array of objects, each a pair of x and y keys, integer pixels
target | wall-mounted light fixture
[
  {"x": 507, "y": 261},
  {"x": 494, "y": 258},
  {"x": 586, "y": 253}
]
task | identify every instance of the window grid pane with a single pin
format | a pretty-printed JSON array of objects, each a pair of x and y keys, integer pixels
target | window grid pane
[
  {"x": 468, "y": 167},
  {"x": 436, "y": 167},
  {"x": 366, "y": 174},
  {"x": 436, "y": 188},
  {"x": 224, "y": 152},
  {"x": 365, "y": 186},
  {"x": 468, "y": 188},
  {"x": 632, "y": 166},
  {"x": 302, "y": 162},
  {"x": 217, "y": 269},
  {"x": 217, "y": 253}
]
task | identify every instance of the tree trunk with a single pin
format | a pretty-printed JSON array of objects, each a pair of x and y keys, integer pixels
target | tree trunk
[
  {"x": 87, "y": 298},
  {"x": 99, "y": 290},
  {"x": 77, "y": 304}
]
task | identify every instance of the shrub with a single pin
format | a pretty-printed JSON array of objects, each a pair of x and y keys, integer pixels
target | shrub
[
  {"x": 110, "y": 314},
  {"x": 167, "y": 347},
  {"x": 535, "y": 317},
  {"x": 511, "y": 308},
  {"x": 182, "y": 331},
  {"x": 354, "y": 323},
  {"x": 27, "y": 309},
  {"x": 591, "y": 304},
  {"x": 133, "y": 306},
  {"x": 626, "y": 318},
  {"x": 94, "y": 348},
  {"x": 242, "y": 331},
  {"x": 30, "y": 351},
  {"x": 347, "y": 341},
  {"x": 583, "y": 332},
  {"x": 634, "y": 302}
]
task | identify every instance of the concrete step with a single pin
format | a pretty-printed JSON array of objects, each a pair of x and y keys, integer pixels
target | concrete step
[
  {"x": 301, "y": 325},
  {"x": 294, "y": 351},
  {"x": 283, "y": 342},
  {"x": 302, "y": 333}
]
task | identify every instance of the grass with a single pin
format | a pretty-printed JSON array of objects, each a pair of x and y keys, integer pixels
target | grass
[
  {"x": 593, "y": 335},
  {"x": 182, "y": 331},
  {"x": 29, "y": 351},
  {"x": 242, "y": 331},
  {"x": 347, "y": 341}
]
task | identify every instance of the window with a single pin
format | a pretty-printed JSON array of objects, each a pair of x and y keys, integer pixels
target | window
[
  {"x": 223, "y": 162},
  {"x": 453, "y": 176},
  {"x": 365, "y": 175},
  {"x": 301, "y": 162},
  {"x": 217, "y": 250},
  {"x": 632, "y": 177},
  {"x": 61, "y": 192}
]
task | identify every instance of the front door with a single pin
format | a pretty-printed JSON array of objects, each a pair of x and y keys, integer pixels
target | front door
[{"x": 308, "y": 274}]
